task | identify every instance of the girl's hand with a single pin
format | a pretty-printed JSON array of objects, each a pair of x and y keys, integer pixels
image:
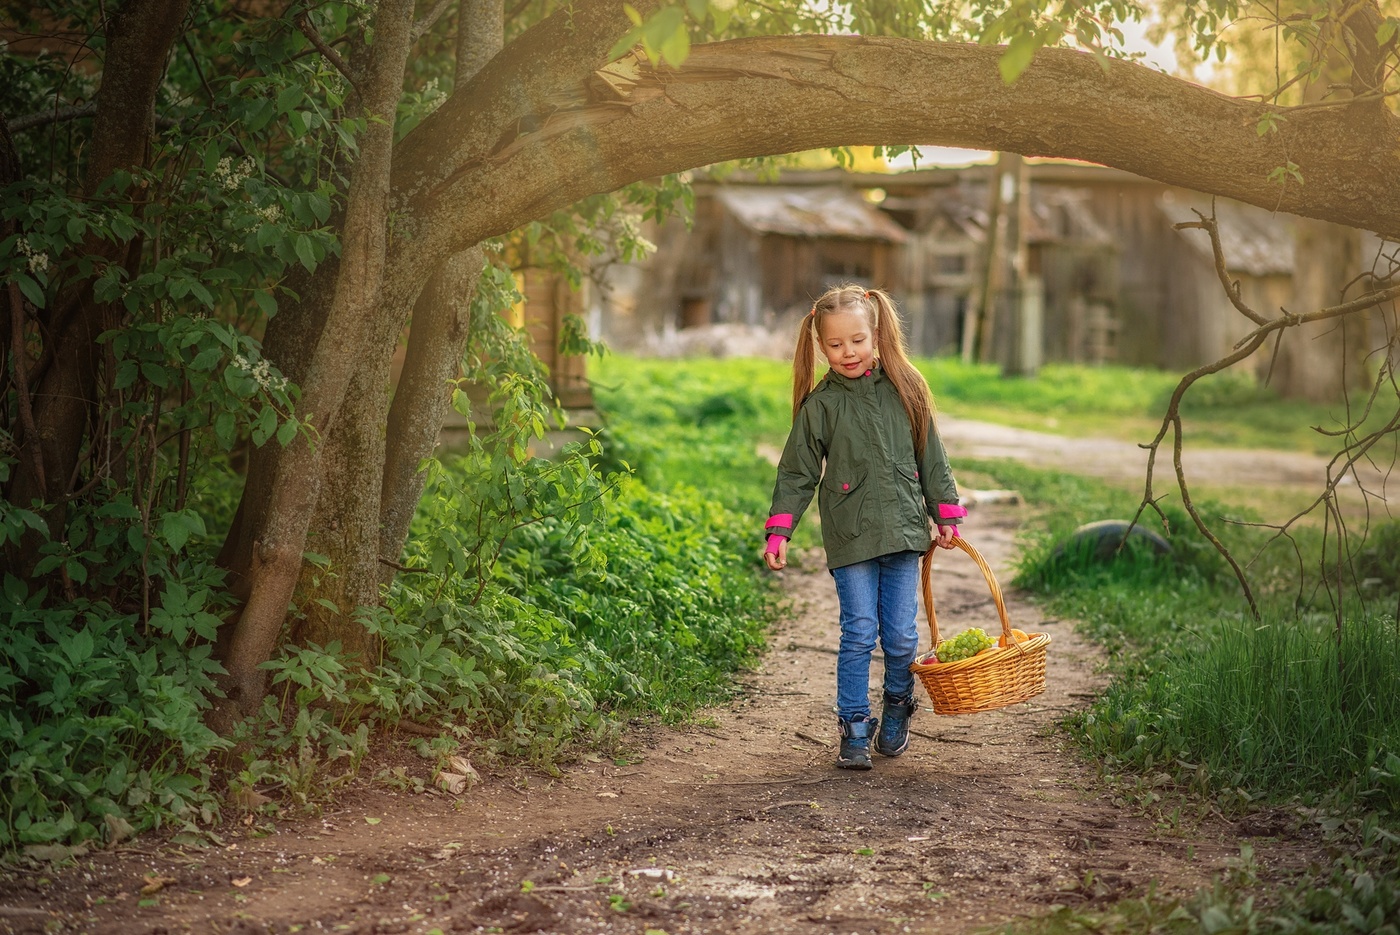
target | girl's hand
[
  {"x": 777, "y": 560},
  {"x": 946, "y": 535}
]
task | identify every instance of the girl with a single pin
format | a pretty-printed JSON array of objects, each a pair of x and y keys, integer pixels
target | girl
[{"x": 865, "y": 433}]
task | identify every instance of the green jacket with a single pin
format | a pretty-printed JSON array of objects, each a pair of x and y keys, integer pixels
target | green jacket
[{"x": 877, "y": 493}]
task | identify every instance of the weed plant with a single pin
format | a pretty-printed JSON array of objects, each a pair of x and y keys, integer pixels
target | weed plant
[
  {"x": 548, "y": 605},
  {"x": 1289, "y": 704},
  {"x": 1284, "y": 709}
]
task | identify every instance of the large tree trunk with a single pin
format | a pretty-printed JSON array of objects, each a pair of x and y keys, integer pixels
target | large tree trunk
[
  {"x": 371, "y": 482},
  {"x": 138, "y": 40},
  {"x": 276, "y": 559},
  {"x": 436, "y": 343},
  {"x": 441, "y": 326}
]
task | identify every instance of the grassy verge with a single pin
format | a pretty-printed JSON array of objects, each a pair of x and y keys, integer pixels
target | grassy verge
[
  {"x": 1226, "y": 409},
  {"x": 1229, "y": 712}
]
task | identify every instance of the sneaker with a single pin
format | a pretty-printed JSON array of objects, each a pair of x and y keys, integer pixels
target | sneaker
[
  {"x": 855, "y": 743},
  {"x": 893, "y": 738}
]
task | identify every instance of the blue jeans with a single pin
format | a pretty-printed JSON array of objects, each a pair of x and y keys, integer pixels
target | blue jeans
[{"x": 878, "y": 598}]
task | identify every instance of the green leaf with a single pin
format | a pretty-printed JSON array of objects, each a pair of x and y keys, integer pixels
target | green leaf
[
  {"x": 266, "y": 301},
  {"x": 304, "y": 253},
  {"x": 1017, "y": 57},
  {"x": 207, "y": 359},
  {"x": 224, "y": 428},
  {"x": 176, "y": 528},
  {"x": 286, "y": 432},
  {"x": 76, "y": 570},
  {"x": 291, "y": 96},
  {"x": 155, "y": 374},
  {"x": 31, "y": 289}
]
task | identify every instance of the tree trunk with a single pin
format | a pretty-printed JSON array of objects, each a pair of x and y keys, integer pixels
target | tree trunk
[
  {"x": 436, "y": 343},
  {"x": 441, "y": 326},
  {"x": 138, "y": 38},
  {"x": 276, "y": 559},
  {"x": 371, "y": 482}
]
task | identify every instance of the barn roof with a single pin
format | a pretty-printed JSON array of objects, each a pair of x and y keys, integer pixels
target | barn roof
[
  {"x": 1256, "y": 242},
  {"x": 810, "y": 212}
]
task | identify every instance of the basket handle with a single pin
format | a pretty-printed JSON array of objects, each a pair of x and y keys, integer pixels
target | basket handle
[{"x": 992, "y": 586}]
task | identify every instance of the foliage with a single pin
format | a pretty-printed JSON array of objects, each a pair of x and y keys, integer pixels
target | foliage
[
  {"x": 676, "y": 597},
  {"x": 1288, "y": 705},
  {"x": 102, "y": 729},
  {"x": 696, "y": 423}
]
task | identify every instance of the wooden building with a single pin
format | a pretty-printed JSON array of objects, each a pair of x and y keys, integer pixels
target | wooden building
[
  {"x": 757, "y": 252},
  {"x": 1116, "y": 281}
]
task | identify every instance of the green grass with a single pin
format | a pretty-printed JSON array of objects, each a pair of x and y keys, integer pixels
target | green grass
[
  {"x": 1225, "y": 410},
  {"x": 1277, "y": 706}
]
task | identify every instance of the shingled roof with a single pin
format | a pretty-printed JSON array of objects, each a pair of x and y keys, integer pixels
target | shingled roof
[
  {"x": 824, "y": 211},
  {"x": 1256, "y": 242}
]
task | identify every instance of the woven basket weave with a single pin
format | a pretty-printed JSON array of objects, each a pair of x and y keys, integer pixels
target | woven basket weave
[{"x": 991, "y": 679}]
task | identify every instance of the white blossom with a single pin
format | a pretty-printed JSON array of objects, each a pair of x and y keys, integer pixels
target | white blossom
[{"x": 38, "y": 262}]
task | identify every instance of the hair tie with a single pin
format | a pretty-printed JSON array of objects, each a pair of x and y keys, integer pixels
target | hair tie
[
  {"x": 867, "y": 293},
  {"x": 813, "y": 312}
]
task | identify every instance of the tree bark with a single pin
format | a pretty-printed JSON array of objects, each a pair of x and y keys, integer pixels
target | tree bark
[
  {"x": 436, "y": 343},
  {"x": 441, "y": 327},
  {"x": 139, "y": 37},
  {"x": 276, "y": 558},
  {"x": 370, "y": 474},
  {"x": 750, "y": 97}
]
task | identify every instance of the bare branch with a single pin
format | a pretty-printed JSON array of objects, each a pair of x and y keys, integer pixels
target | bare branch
[
  {"x": 1290, "y": 320},
  {"x": 429, "y": 20},
  {"x": 303, "y": 23},
  {"x": 56, "y": 115},
  {"x": 1232, "y": 288}
]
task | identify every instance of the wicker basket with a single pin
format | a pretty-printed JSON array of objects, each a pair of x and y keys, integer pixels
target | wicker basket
[{"x": 986, "y": 681}]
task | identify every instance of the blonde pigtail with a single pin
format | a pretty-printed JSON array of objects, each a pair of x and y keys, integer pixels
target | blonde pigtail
[
  {"x": 894, "y": 360},
  {"x": 804, "y": 361}
]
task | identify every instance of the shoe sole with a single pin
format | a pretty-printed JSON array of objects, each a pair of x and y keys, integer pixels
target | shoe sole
[
  {"x": 854, "y": 764},
  {"x": 882, "y": 752}
]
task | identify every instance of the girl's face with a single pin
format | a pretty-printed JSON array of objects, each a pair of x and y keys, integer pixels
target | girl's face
[{"x": 849, "y": 342}]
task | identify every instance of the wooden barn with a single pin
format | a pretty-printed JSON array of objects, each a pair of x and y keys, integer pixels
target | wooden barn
[
  {"x": 757, "y": 252},
  {"x": 1109, "y": 275}
]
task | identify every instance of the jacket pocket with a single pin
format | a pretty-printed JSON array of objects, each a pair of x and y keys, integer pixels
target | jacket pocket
[
  {"x": 910, "y": 493},
  {"x": 843, "y": 511}
]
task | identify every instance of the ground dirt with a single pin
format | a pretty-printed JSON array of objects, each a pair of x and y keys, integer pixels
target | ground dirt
[{"x": 742, "y": 825}]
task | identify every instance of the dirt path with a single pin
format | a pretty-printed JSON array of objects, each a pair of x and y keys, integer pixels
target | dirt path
[
  {"x": 742, "y": 826},
  {"x": 1117, "y": 460}
]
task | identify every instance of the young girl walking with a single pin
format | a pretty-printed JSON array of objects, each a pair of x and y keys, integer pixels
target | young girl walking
[{"x": 865, "y": 434}]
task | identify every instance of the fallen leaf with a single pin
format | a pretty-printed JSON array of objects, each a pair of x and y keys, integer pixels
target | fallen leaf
[
  {"x": 607, "y": 795},
  {"x": 155, "y": 883},
  {"x": 241, "y": 881},
  {"x": 247, "y": 798},
  {"x": 118, "y": 829},
  {"x": 372, "y": 821}
]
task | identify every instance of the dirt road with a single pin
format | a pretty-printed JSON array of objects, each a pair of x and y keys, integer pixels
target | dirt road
[
  {"x": 1117, "y": 460},
  {"x": 739, "y": 826}
]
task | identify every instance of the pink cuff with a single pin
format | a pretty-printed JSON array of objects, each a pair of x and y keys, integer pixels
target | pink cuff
[
  {"x": 956, "y": 534},
  {"x": 783, "y": 520},
  {"x": 772, "y": 545},
  {"x": 951, "y": 511}
]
